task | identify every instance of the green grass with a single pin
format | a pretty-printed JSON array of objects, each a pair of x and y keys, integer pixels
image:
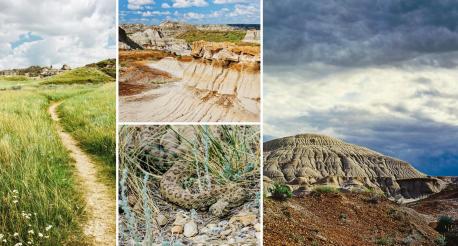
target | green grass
[
  {"x": 91, "y": 118},
  {"x": 80, "y": 75},
  {"x": 213, "y": 36},
  {"x": 37, "y": 184},
  {"x": 36, "y": 175},
  {"x": 14, "y": 78},
  {"x": 8, "y": 84},
  {"x": 325, "y": 189},
  {"x": 64, "y": 91},
  {"x": 281, "y": 191}
]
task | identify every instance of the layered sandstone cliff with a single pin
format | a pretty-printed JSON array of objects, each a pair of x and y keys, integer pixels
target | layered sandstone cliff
[
  {"x": 220, "y": 83},
  {"x": 311, "y": 159}
]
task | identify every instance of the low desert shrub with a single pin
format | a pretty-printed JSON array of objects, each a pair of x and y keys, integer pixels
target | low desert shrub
[
  {"x": 281, "y": 191},
  {"x": 441, "y": 240},
  {"x": 326, "y": 189},
  {"x": 384, "y": 241},
  {"x": 444, "y": 223}
]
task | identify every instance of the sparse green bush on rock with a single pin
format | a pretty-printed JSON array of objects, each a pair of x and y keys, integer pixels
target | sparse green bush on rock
[
  {"x": 441, "y": 240},
  {"x": 281, "y": 191},
  {"x": 444, "y": 223}
]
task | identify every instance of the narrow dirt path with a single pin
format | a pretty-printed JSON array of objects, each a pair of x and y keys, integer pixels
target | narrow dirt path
[{"x": 100, "y": 205}]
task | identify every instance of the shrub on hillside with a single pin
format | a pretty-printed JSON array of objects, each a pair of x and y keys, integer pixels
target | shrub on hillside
[
  {"x": 444, "y": 223},
  {"x": 441, "y": 240},
  {"x": 326, "y": 189},
  {"x": 280, "y": 191}
]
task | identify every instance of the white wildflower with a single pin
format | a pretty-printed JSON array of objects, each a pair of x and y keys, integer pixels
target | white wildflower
[
  {"x": 31, "y": 232},
  {"x": 18, "y": 244},
  {"x": 4, "y": 240},
  {"x": 40, "y": 234},
  {"x": 46, "y": 236},
  {"x": 15, "y": 191},
  {"x": 16, "y": 234},
  {"x": 1, "y": 236},
  {"x": 15, "y": 201},
  {"x": 48, "y": 227}
]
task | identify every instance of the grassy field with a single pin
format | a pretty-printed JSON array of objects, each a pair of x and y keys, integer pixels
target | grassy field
[
  {"x": 7, "y": 82},
  {"x": 40, "y": 201},
  {"x": 213, "y": 36},
  {"x": 91, "y": 119}
]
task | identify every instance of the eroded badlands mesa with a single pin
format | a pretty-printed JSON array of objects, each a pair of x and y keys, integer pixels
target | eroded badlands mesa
[
  {"x": 310, "y": 160},
  {"x": 189, "y": 73}
]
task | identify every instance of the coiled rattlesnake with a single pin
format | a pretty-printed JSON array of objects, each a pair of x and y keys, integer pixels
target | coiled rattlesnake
[{"x": 219, "y": 199}]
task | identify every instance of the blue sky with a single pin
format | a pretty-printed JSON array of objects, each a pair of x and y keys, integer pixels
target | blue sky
[
  {"x": 153, "y": 12},
  {"x": 381, "y": 74}
]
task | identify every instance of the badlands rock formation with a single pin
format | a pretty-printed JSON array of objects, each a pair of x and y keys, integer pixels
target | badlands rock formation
[
  {"x": 310, "y": 159},
  {"x": 221, "y": 83},
  {"x": 252, "y": 36},
  {"x": 154, "y": 38},
  {"x": 164, "y": 36}
]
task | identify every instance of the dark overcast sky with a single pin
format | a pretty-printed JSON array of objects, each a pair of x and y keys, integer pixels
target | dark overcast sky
[{"x": 382, "y": 74}]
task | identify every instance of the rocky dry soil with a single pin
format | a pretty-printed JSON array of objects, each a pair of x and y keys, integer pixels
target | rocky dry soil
[
  {"x": 344, "y": 219},
  {"x": 183, "y": 227},
  {"x": 344, "y": 194}
]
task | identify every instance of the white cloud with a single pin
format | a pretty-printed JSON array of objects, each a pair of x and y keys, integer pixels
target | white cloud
[
  {"x": 192, "y": 15},
  {"x": 244, "y": 10},
  {"x": 403, "y": 93},
  {"x": 155, "y": 13},
  {"x": 219, "y": 13},
  {"x": 137, "y": 4},
  {"x": 165, "y": 5},
  {"x": 189, "y": 3},
  {"x": 234, "y": 1},
  {"x": 75, "y": 32}
]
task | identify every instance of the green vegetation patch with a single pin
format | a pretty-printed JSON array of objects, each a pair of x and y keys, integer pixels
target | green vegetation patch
[
  {"x": 107, "y": 66},
  {"x": 14, "y": 78},
  {"x": 326, "y": 189},
  {"x": 213, "y": 36},
  {"x": 64, "y": 91},
  {"x": 91, "y": 118},
  {"x": 281, "y": 191},
  {"x": 80, "y": 75},
  {"x": 38, "y": 196}
]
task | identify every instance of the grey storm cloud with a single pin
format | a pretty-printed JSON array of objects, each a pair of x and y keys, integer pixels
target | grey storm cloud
[{"x": 360, "y": 32}]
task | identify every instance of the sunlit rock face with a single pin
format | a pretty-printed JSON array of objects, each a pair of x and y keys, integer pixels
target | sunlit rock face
[{"x": 311, "y": 159}]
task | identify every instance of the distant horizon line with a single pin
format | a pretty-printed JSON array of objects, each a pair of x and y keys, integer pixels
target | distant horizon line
[
  {"x": 57, "y": 65},
  {"x": 122, "y": 23}
]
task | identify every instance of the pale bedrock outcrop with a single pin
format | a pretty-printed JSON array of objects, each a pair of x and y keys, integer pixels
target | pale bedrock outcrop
[
  {"x": 311, "y": 159},
  {"x": 252, "y": 36},
  {"x": 203, "y": 92},
  {"x": 226, "y": 52},
  {"x": 153, "y": 38}
]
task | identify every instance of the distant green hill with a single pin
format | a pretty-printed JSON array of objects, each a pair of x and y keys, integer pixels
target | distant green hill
[
  {"x": 107, "y": 66},
  {"x": 80, "y": 75}
]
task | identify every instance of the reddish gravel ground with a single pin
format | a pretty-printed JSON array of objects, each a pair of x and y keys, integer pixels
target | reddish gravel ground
[
  {"x": 440, "y": 204},
  {"x": 343, "y": 219}
]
